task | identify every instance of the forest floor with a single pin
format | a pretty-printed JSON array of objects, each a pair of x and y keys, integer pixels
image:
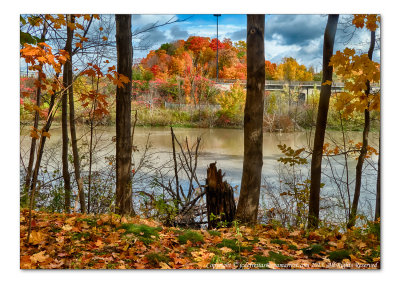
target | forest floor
[{"x": 77, "y": 241}]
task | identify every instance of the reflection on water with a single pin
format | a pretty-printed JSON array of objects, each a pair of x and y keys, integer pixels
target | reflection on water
[{"x": 222, "y": 145}]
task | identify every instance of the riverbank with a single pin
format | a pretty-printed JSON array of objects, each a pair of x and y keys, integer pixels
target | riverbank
[{"x": 204, "y": 119}]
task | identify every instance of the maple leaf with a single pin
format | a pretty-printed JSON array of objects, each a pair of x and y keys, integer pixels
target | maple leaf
[
  {"x": 36, "y": 238},
  {"x": 39, "y": 257},
  {"x": 164, "y": 265}
]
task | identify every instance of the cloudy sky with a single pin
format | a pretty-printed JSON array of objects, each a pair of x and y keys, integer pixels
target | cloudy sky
[{"x": 298, "y": 36}]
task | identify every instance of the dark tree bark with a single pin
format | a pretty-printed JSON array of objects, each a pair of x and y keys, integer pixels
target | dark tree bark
[
  {"x": 35, "y": 125},
  {"x": 253, "y": 122},
  {"x": 39, "y": 160},
  {"x": 378, "y": 185},
  {"x": 323, "y": 107},
  {"x": 74, "y": 141},
  {"x": 123, "y": 116},
  {"x": 364, "y": 147},
  {"x": 219, "y": 197},
  {"x": 64, "y": 120}
]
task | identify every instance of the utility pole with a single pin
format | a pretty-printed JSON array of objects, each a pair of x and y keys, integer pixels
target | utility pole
[{"x": 217, "y": 15}]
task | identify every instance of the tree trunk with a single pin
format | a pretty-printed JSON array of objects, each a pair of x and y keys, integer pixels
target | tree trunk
[
  {"x": 35, "y": 125},
  {"x": 323, "y": 107},
  {"x": 364, "y": 147},
  {"x": 74, "y": 141},
  {"x": 219, "y": 197},
  {"x": 123, "y": 116},
  {"x": 378, "y": 185},
  {"x": 64, "y": 120},
  {"x": 38, "y": 161},
  {"x": 253, "y": 122}
]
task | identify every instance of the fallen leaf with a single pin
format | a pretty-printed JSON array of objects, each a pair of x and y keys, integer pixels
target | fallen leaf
[
  {"x": 39, "y": 257},
  {"x": 164, "y": 265}
]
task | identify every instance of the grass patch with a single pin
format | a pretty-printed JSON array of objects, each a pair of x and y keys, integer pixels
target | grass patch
[
  {"x": 214, "y": 233},
  {"x": 293, "y": 247},
  {"x": 313, "y": 249},
  {"x": 144, "y": 233},
  {"x": 156, "y": 258},
  {"x": 80, "y": 235},
  {"x": 339, "y": 255},
  {"x": 89, "y": 221},
  {"x": 373, "y": 254},
  {"x": 191, "y": 236},
  {"x": 278, "y": 258}
]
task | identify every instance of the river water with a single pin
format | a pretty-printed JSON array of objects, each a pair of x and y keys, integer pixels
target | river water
[{"x": 225, "y": 146}]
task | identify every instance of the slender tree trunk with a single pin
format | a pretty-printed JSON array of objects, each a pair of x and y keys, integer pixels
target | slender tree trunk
[
  {"x": 64, "y": 121},
  {"x": 378, "y": 185},
  {"x": 74, "y": 141},
  {"x": 364, "y": 147},
  {"x": 35, "y": 125},
  {"x": 91, "y": 155},
  {"x": 38, "y": 161},
  {"x": 323, "y": 107},
  {"x": 123, "y": 116},
  {"x": 253, "y": 122}
]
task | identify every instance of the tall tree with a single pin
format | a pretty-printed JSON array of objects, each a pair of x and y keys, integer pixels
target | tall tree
[
  {"x": 74, "y": 141},
  {"x": 253, "y": 121},
  {"x": 329, "y": 38},
  {"x": 64, "y": 118},
  {"x": 123, "y": 115},
  {"x": 364, "y": 147}
]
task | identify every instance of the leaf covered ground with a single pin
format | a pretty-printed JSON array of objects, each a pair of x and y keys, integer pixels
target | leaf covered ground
[{"x": 76, "y": 241}]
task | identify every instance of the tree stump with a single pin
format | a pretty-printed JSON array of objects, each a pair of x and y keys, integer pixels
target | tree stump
[{"x": 221, "y": 207}]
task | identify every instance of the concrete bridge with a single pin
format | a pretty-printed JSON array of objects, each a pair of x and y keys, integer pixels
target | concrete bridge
[{"x": 303, "y": 87}]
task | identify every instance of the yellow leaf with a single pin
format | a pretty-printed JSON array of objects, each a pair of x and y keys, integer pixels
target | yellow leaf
[
  {"x": 164, "y": 265},
  {"x": 67, "y": 227},
  {"x": 327, "y": 82},
  {"x": 225, "y": 250},
  {"x": 340, "y": 245},
  {"x": 105, "y": 38},
  {"x": 37, "y": 237}
]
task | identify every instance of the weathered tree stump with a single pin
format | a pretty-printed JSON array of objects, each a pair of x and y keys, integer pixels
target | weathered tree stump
[{"x": 221, "y": 206}]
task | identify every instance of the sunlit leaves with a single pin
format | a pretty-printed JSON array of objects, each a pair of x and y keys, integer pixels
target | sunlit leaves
[
  {"x": 356, "y": 71},
  {"x": 292, "y": 157},
  {"x": 291, "y": 70}
]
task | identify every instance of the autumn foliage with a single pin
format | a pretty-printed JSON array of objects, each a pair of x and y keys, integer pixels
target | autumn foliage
[{"x": 76, "y": 241}]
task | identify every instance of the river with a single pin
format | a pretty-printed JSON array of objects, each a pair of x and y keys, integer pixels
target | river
[{"x": 225, "y": 146}]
